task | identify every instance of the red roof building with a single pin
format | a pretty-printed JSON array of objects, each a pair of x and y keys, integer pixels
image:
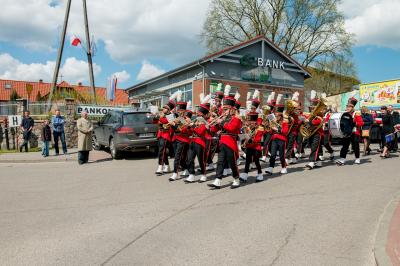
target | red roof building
[{"x": 43, "y": 89}]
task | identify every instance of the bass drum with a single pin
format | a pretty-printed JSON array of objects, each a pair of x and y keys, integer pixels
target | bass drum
[{"x": 341, "y": 125}]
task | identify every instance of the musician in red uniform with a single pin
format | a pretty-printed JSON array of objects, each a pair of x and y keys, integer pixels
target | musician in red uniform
[
  {"x": 280, "y": 127},
  {"x": 180, "y": 139},
  {"x": 271, "y": 102},
  {"x": 327, "y": 135},
  {"x": 292, "y": 116},
  {"x": 197, "y": 149},
  {"x": 315, "y": 140},
  {"x": 230, "y": 126},
  {"x": 164, "y": 138},
  {"x": 253, "y": 146},
  {"x": 354, "y": 139}
]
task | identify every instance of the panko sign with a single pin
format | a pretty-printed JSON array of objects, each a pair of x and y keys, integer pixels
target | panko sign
[{"x": 381, "y": 93}]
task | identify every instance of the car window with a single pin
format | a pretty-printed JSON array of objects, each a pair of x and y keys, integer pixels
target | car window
[{"x": 137, "y": 118}]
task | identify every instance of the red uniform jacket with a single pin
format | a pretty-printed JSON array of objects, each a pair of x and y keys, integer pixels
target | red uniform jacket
[
  {"x": 231, "y": 130},
  {"x": 296, "y": 125},
  {"x": 359, "y": 123},
  {"x": 183, "y": 135},
  {"x": 256, "y": 141},
  {"x": 164, "y": 133},
  {"x": 316, "y": 122},
  {"x": 199, "y": 134},
  {"x": 283, "y": 134}
]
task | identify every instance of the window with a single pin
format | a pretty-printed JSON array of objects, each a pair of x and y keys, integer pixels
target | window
[
  {"x": 8, "y": 86},
  {"x": 137, "y": 118},
  {"x": 186, "y": 89}
]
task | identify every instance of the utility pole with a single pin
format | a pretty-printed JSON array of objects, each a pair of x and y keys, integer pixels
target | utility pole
[
  {"x": 59, "y": 56},
  {"x": 89, "y": 51}
]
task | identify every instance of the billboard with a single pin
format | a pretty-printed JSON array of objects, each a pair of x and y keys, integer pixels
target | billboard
[{"x": 375, "y": 95}]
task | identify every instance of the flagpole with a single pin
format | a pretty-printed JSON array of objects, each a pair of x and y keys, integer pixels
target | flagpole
[
  {"x": 89, "y": 52},
  {"x": 59, "y": 56}
]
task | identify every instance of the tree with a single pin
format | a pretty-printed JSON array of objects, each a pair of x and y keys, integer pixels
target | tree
[
  {"x": 311, "y": 31},
  {"x": 14, "y": 95},
  {"x": 39, "y": 97}
]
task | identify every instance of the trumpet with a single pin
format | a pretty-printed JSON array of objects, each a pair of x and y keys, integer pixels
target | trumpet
[{"x": 214, "y": 122}]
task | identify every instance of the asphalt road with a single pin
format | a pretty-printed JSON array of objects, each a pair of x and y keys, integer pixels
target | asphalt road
[{"x": 120, "y": 213}]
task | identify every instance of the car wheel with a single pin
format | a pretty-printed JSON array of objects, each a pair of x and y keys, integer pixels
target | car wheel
[
  {"x": 115, "y": 154},
  {"x": 95, "y": 144}
]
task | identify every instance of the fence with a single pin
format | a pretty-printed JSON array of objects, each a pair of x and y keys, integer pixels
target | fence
[{"x": 35, "y": 108}]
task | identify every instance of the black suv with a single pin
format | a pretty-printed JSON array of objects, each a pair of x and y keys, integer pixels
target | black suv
[{"x": 126, "y": 131}]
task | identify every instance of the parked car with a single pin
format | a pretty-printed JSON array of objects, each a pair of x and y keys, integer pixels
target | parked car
[{"x": 122, "y": 131}]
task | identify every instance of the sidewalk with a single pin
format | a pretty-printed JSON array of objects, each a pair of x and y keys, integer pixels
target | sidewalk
[{"x": 36, "y": 157}]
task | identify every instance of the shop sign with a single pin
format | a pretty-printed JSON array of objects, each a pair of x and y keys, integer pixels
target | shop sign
[
  {"x": 96, "y": 110},
  {"x": 380, "y": 93},
  {"x": 248, "y": 60}
]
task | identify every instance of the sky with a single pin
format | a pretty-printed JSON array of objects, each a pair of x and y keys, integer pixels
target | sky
[{"x": 137, "y": 40}]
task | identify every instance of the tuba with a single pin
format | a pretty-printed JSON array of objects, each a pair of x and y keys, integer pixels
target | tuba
[
  {"x": 308, "y": 129},
  {"x": 290, "y": 108}
]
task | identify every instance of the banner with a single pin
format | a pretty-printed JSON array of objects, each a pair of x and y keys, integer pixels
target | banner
[
  {"x": 95, "y": 110},
  {"x": 375, "y": 95}
]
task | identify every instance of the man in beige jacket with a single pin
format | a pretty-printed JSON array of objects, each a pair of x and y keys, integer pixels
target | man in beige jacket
[{"x": 85, "y": 128}]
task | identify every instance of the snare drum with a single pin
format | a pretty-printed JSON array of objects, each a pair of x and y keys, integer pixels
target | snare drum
[{"x": 341, "y": 125}]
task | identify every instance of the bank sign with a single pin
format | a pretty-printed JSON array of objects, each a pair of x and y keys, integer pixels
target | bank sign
[
  {"x": 248, "y": 60},
  {"x": 96, "y": 110}
]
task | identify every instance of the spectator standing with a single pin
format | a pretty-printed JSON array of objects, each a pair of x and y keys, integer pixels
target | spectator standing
[
  {"x": 58, "y": 122},
  {"x": 387, "y": 129},
  {"x": 26, "y": 126},
  {"x": 375, "y": 134},
  {"x": 85, "y": 128},
  {"x": 396, "y": 121},
  {"x": 46, "y": 138},
  {"x": 365, "y": 133}
]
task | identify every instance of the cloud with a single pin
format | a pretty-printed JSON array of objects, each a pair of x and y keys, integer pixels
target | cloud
[
  {"x": 121, "y": 76},
  {"x": 372, "y": 22},
  {"x": 131, "y": 30},
  {"x": 148, "y": 71},
  {"x": 73, "y": 70}
]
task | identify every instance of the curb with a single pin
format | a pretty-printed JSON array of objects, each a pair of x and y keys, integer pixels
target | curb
[
  {"x": 381, "y": 238},
  {"x": 36, "y": 161}
]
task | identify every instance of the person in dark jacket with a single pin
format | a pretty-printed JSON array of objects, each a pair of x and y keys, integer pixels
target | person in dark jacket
[
  {"x": 26, "y": 126},
  {"x": 387, "y": 129},
  {"x": 46, "y": 138},
  {"x": 396, "y": 121},
  {"x": 365, "y": 133}
]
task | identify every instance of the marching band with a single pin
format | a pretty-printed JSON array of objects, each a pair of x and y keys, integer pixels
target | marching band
[{"x": 277, "y": 129}]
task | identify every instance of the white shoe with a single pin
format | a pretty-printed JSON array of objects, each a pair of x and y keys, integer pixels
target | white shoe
[
  {"x": 166, "y": 169},
  {"x": 284, "y": 171},
  {"x": 269, "y": 170},
  {"x": 357, "y": 161},
  {"x": 173, "y": 177},
  {"x": 210, "y": 167},
  {"x": 303, "y": 155},
  {"x": 203, "y": 178},
  {"x": 159, "y": 170},
  {"x": 321, "y": 157},
  {"x": 293, "y": 161},
  {"x": 340, "y": 161},
  {"x": 190, "y": 179},
  {"x": 185, "y": 173},
  {"x": 263, "y": 159},
  {"x": 243, "y": 177},
  {"x": 238, "y": 161},
  {"x": 259, "y": 178},
  {"x": 225, "y": 173},
  {"x": 253, "y": 166},
  {"x": 310, "y": 165},
  {"x": 235, "y": 184},
  {"x": 318, "y": 164},
  {"x": 216, "y": 184}
]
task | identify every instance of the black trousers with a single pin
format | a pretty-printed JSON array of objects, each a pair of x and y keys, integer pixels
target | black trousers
[
  {"x": 196, "y": 150},
  {"x": 300, "y": 143},
  {"x": 327, "y": 142},
  {"x": 290, "y": 146},
  {"x": 59, "y": 136},
  {"x": 354, "y": 140},
  {"x": 267, "y": 143},
  {"x": 26, "y": 137},
  {"x": 163, "y": 145},
  {"x": 181, "y": 151},
  {"x": 316, "y": 148},
  {"x": 252, "y": 155},
  {"x": 83, "y": 157},
  {"x": 277, "y": 145},
  {"x": 212, "y": 150},
  {"x": 227, "y": 156}
]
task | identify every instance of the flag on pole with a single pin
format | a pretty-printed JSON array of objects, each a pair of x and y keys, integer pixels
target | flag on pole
[{"x": 75, "y": 41}]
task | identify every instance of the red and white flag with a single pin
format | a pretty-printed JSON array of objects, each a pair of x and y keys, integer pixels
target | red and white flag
[{"x": 75, "y": 41}]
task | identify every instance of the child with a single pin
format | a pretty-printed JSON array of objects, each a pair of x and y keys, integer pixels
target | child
[{"x": 46, "y": 138}]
